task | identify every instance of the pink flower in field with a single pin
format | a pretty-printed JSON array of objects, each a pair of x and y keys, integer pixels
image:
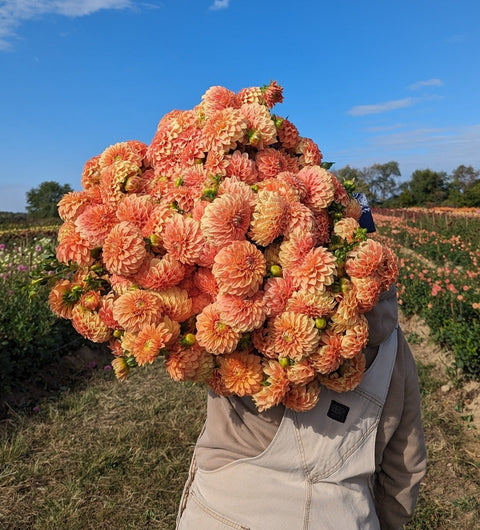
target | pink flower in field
[
  {"x": 436, "y": 289},
  {"x": 2, "y": 246},
  {"x": 466, "y": 287},
  {"x": 452, "y": 288}
]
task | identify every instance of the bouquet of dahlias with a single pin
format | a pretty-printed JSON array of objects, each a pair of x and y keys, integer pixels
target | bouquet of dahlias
[{"x": 227, "y": 249}]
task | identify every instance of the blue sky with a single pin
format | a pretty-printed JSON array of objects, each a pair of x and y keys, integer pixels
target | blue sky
[{"x": 369, "y": 81}]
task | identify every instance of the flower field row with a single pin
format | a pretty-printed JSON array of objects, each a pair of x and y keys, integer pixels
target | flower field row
[
  {"x": 439, "y": 255},
  {"x": 30, "y": 334}
]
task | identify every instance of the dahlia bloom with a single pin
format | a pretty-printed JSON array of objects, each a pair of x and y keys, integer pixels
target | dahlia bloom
[
  {"x": 213, "y": 334},
  {"x": 239, "y": 268},
  {"x": 226, "y": 219},
  {"x": 275, "y": 386},
  {"x": 135, "y": 309},
  {"x": 269, "y": 218},
  {"x": 241, "y": 372},
  {"x": 148, "y": 342},
  {"x": 124, "y": 249},
  {"x": 302, "y": 397},
  {"x": 295, "y": 335}
]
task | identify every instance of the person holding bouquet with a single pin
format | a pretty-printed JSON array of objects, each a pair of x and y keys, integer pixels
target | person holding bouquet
[{"x": 228, "y": 250}]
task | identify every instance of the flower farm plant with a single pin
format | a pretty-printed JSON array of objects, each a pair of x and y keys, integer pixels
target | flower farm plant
[{"x": 226, "y": 248}]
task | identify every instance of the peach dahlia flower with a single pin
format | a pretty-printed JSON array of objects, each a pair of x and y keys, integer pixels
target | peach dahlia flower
[
  {"x": 295, "y": 335},
  {"x": 239, "y": 269},
  {"x": 135, "y": 309},
  {"x": 124, "y": 249},
  {"x": 213, "y": 334},
  {"x": 241, "y": 372}
]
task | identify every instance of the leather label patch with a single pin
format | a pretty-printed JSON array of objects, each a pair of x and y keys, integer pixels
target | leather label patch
[{"x": 337, "y": 411}]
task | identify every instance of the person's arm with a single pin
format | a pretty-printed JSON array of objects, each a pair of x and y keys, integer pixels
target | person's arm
[{"x": 402, "y": 462}]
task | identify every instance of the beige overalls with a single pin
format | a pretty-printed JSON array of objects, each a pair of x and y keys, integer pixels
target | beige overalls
[{"x": 315, "y": 474}]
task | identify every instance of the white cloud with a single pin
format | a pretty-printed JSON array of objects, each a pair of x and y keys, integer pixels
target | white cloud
[
  {"x": 378, "y": 108},
  {"x": 384, "y": 128},
  {"x": 219, "y": 4},
  {"x": 14, "y": 12},
  {"x": 427, "y": 82},
  {"x": 439, "y": 149}
]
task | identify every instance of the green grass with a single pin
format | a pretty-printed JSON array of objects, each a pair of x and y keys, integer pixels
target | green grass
[{"x": 111, "y": 456}]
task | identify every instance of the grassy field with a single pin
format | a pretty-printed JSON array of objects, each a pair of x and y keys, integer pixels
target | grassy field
[{"x": 109, "y": 455}]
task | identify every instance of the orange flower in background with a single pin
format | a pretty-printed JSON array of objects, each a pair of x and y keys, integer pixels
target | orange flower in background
[
  {"x": 213, "y": 334},
  {"x": 124, "y": 249},
  {"x": 135, "y": 309},
  {"x": 239, "y": 269},
  {"x": 241, "y": 373}
]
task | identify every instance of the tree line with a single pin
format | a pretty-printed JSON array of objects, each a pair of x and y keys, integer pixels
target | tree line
[{"x": 381, "y": 184}]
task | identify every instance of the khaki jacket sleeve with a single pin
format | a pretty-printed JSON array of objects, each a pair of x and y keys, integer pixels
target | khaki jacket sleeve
[{"x": 401, "y": 452}]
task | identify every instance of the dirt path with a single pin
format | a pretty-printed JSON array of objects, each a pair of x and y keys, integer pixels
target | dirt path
[{"x": 464, "y": 396}]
